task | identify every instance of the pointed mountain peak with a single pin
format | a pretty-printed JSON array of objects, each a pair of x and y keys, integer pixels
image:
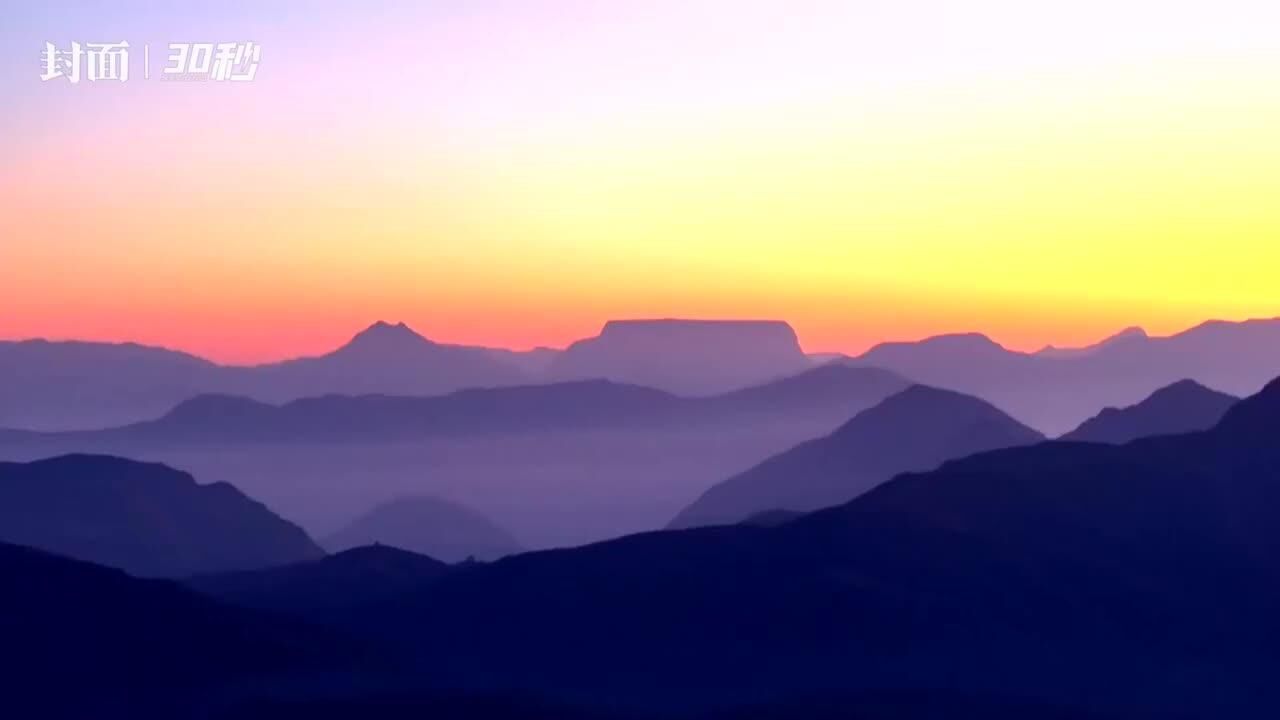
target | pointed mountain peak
[
  {"x": 385, "y": 335},
  {"x": 1128, "y": 333},
  {"x": 1182, "y": 388}
]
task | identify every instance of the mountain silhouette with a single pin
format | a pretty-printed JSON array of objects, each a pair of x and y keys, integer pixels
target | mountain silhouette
[
  {"x": 84, "y": 385},
  {"x": 917, "y": 429},
  {"x": 1131, "y": 334},
  {"x": 75, "y": 385},
  {"x": 685, "y": 357},
  {"x": 78, "y": 385},
  {"x": 81, "y": 640},
  {"x": 627, "y": 458},
  {"x": 427, "y": 525},
  {"x": 144, "y": 518},
  {"x": 1061, "y": 573},
  {"x": 1183, "y": 407},
  {"x": 822, "y": 394},
  {"x": 1055, "y": 392},
  {"x": 317, "y": 588},
  {"x": 216, "y": 418},
  {"x": 382, "y": 359}
]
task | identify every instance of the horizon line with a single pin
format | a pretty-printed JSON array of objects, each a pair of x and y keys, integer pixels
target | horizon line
[{"x": 554, "y": 348}]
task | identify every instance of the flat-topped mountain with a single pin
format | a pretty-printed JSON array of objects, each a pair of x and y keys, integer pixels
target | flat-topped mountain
[
  {"x": 917, "y": 429},
  {"x": 145, "y": 518},
  {"x": 686, "y": 357},
  {"x": 1183, "y": 407}
]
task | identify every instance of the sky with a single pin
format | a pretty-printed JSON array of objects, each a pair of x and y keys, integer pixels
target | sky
[{"x": 515, "y": 173}]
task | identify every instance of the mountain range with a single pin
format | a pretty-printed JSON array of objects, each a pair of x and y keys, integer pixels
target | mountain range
[
  {"x": 48, "y": 385},
  {"x": 826, "y": 392},
  {"x": 1056, "y": 390},
  {"x": 1138, "y": 578},
  {"x": 555, "y": 464},
  {"x": 1076, "y": 579}
]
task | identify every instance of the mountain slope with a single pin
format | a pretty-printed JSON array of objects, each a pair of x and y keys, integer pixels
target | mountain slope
[
  {"x": 1183, "y": 407},
  {"x": 318, "y": 588},
  {"x": 917, "y": 429},
  {"x": 429, "y": 526},
  {"x": 836, "y": 388},
  {"x": 147, "y": 519}
]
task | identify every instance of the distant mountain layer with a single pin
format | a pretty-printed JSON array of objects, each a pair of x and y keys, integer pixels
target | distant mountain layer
[
  {"x": 687, "y": 357},
  {"x": 1133, "y": 334},
  {"x": 147, "y": 519},
  {"x": 1137, "y": 578},
  {"x": 430, "y": 526},
  {"x": 1183, "y": 407},
  {"x": 822, "y": 394},
  {"x": 80, "y": 385},
  {"x": 1055, "y": 391},
  {"x": 917, "y": 429}
]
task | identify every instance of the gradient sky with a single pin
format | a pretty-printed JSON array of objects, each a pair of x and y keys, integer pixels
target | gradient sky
[{"x": 514, "y": 173}]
